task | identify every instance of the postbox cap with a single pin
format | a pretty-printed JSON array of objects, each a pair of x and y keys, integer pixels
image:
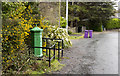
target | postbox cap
[{"x": 36, "y": 29}]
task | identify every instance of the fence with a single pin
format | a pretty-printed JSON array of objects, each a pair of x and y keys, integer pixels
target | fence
[{"x": 53, "y": 47}]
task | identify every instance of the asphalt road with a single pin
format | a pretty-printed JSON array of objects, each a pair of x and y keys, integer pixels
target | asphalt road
[{"x": 97, "y": 55}]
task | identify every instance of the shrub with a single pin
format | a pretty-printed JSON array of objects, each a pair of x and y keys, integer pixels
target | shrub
[
  {"x": 69, "y": 32},
  {"x": 16, "y": 38},
  {"x": 62, "y": 22},
  {"x": 113, "y": 23},
  {"x": 55, "y": 32}
]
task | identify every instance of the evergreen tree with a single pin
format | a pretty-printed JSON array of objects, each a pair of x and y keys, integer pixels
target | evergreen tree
[{"x": 91, "y": 14}]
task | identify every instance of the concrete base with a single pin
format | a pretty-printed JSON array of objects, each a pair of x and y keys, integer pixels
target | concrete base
[{"x": 40, "y": 55}]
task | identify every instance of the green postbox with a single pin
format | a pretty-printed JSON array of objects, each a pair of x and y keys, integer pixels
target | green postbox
[{"x": 36, "y": 35}]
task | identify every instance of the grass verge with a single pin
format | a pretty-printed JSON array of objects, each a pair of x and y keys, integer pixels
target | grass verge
[
  {"x": 44, "y": 68},
  {"x": 77, "y": 37}
]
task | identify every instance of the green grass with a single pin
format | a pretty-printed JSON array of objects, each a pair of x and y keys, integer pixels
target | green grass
[
  {"x": 77, "y": 33},
  {"x": 55, "y": 65},
  {"x": 77, "y": 37},
  {"x": 42, "y": 65}
]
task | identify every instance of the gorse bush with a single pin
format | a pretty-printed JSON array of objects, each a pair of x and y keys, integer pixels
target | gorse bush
[
  {"x": 16, "y": 36},
  {"x": 113, "y": 23}
]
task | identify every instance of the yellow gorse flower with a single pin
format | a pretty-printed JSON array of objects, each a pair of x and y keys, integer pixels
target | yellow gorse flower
[
  {"x": 6, "y": 38},
  {"x": 7, "y": 61},
  {"x": 3, "y": 57},
  {"x": 29, "y": 7},
  {"x": 12, "y": 51},
  {"x": 19, "y": 32}
]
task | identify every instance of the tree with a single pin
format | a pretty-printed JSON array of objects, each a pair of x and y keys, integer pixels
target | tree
[
  {"x": 99, "y": 13},
  {"x": 91, "y": 14}
]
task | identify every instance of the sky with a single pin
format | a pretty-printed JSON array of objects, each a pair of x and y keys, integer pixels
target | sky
[{"x": 117, "y": 4}]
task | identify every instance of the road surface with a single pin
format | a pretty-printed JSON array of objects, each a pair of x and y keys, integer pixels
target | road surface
[{"x": 98, "y": 55}]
